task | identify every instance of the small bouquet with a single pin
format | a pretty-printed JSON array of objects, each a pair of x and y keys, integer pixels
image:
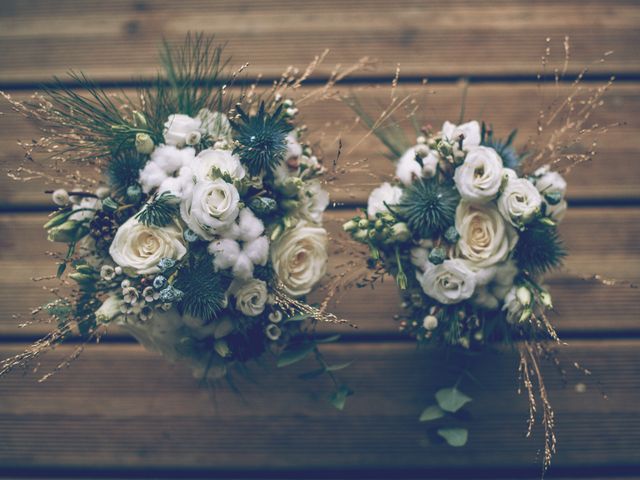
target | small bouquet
[
  {"x": 468, "y": 227},
  {"x": 207, "y": 235}
]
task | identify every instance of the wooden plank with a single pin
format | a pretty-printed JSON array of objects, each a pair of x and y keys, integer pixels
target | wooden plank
[
  {"x": 128, "y": 409},
  {"x": 119, "y": 39},
  {"x": 614, "y": 174},
  {"x": 581, "y": 305}
]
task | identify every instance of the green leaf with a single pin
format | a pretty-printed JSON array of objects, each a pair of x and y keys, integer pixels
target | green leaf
[
  {"x": 432, "y": 412},
  {"x": 289, "y": 357},
  {"x": 339, "y": 398},
  {"x": 338, "y": 367},
  {"x": 451, "y": 399},
  {"x": 160, "y": 211},
  {"x": 455, "y": 437},
  {"x": 331, "y": 339},
  {"x": 300, "y": 317}
]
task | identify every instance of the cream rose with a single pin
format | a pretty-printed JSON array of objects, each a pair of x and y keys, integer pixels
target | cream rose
[
  {"x": 450, "y": 282},
  {"x": 179, "y": 128},
  {"x": 138, "y": 248},
  {"x": 485, "y": 237},
  {"x": 519, "y": 202},
  {"x": 223, "y": 160},
  {"x": 479, "y": 177},
  {"x": 251, "y": 297},
  {"x": 299, "y": 258},
  {"x": 212, "y": 207},
  {"x": 470, "y": 131},
  {"x": 385, "y": 193}
]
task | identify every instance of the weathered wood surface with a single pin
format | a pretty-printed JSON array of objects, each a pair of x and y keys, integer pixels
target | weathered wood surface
[
  {"x": 613, "y": 252},
  {"x": 614, "y": 174},
  {"x": 118, "y": 40},
  {"x": 129, "y": 409}
]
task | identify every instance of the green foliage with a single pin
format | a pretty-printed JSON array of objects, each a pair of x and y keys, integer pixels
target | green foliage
[
  {"x": 295, "y": 354},
  {"x": 339, "y": 398},
  {"x": 505, "y": 149},
  {"x": 192, "y": 80},
  {"x": 204, "y": 289},
  {"x": 455, "y": 437},
  {"x": 160, "y": 211},
  {"x": 123, "y": 171},
  {"x": 539, "y": 248},
  {"x": 432, "y": 412},
  {"x": 97, "y": 120},
  {"x": 262, "y": 139},
  {"x": 428, "y": 207},
  {"x": 451, "y": 399}
]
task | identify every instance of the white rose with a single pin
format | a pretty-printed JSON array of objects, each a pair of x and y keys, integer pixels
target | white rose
[
  {"x": 138, "y": 248},
  {"x": 470, "y": 131},
  {"x": 385, "y": 193},
  {"x": 408, "y": 168},
  {"x": 313, "y": 202},
  {"x": 251, "y": 297},
  {"x": 479, "y": 177},
  {"x": 215, "y": 124},
  {"x": 179, "y": 127},
  {"x": 485, "y": 237},
  {"x": 299, "y": 258},
  {"x": 450, "y": 282},
  {"x": 519, "y": 202},
  {"x": 223, "y": 160},
  {"x": 212, "y": 207}
]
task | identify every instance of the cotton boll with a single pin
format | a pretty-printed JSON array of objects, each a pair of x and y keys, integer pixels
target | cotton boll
[
  {"x": 294, "y": 149},
  {"x": 250, "y": 226},
  {"x": 151, "y": 176},
  {"x": 408, "y": 169},
  {"x": 257, "y": 250},
  {"x": 243, "y": 267},
  {"x": 419, "y": 257},
  {"x": 165, "y": 162},
  {"x": 225, "y": 251}
]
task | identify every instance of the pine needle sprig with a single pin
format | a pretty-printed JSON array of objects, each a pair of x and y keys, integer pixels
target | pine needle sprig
[
  {"x": 123, "y": 171},
  {"x": 160, "y": 211},
  {"x": 204, "y": 289},
  {"x": 539, "y": 248},
  {"x": 428, "y": 207},
  {"x": 92, "y": 125},
  {"x": 261, "y": 138}
]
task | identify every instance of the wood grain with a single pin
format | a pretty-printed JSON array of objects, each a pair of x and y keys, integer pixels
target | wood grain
[
  {"x": 118, "y": 40},
  {"x": 614, "y": 174},
  {"x": 133, "y": 410},
  {"x": 600, "y": 241}
]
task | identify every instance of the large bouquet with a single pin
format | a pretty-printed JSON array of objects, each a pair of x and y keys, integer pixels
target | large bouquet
[{"x": 208, "y": 233}]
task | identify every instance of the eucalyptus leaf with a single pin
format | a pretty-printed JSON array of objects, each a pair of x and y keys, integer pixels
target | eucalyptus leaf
[
  {"x": 339, "y": 366},
  {"x": 455, "y": 437},
  {"x": 432, "y": 412},
  {"x": 339, "y": 398},
  {"x": 312, "y": 374},
  {"x": 451, "y": 399},
  {"x": 294, "y": 355}
]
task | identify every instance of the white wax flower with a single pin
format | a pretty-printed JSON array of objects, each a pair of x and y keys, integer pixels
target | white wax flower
[
  {"x": 479, "y": 177},
  {"x": 168, "y": 170},
  {"x": 85, "y": 209},
  {"x": 408, "y": 169},
  {"x": 299, "y": 258},
  {"x": 294, "y": 149},
  {"x": 223, "y": 160},
  {"x": 450, "y": 282},
  {"x": 242, "y": 247},
  {"x": 385, "y": 193},
  {"x": 470, "y": 131},
  {"x": 138, "y": 248},
  {"x": 519, "y": 202},
  {"x": 512, "y": 306},
  {"x": 485, "y": 237},
  {"x": 212, "y": 207},
  {"x": 179, "y": 127},
  {"x": 251, "y": 296}
]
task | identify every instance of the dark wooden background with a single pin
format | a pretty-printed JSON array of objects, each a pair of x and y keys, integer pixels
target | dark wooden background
[{"x": 121, "y": 411}]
